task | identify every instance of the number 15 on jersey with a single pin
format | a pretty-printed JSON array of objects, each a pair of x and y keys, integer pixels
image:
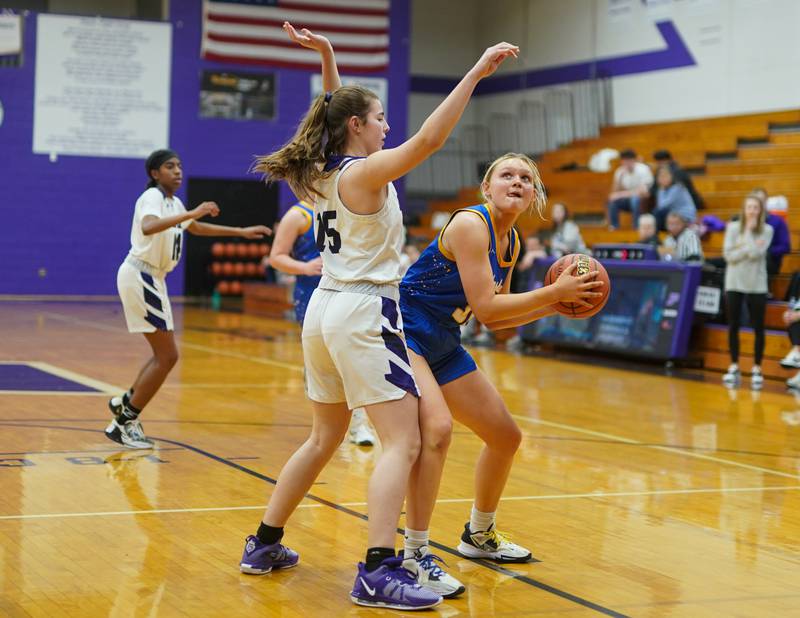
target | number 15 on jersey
[{"x": 326, "y": 232}]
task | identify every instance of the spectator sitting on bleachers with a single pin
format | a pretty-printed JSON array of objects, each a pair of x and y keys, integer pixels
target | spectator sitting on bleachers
[
  {"x": 682, "y": 244},
  {"x": 648, "y": 231},
  {"x": 672, "y": 196},
  {"x": 565, "y": 237},
  {"x": 664, "y": 157},
  {"x": 632, "y": 182},
  {"x": 781, "y": 238}
]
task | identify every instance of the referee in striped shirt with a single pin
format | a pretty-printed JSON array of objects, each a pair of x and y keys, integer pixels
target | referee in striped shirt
[{"x": 683, "y": 243}]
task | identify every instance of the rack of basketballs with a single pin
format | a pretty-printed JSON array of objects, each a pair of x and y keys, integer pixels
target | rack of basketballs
[{"x": 235, "y": 262}]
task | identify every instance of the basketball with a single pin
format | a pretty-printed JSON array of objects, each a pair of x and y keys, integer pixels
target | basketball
[
  {"x": 218, "y": 249},
  {"x": 586, "y": 264}
]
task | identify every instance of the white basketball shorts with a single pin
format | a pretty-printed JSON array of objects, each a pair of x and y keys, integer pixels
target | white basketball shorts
[
  {"x": 355, "y": 350},
  {"x": 144, "y": 299}
]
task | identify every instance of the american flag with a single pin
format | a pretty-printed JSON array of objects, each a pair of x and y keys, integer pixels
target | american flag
[{"x": 250, "y": 32}]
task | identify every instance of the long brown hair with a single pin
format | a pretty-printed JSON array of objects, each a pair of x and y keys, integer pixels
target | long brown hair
[
  {"x": 539, "y": 195},
  {"x": 322, "y": 133},
  {"x": 761, "y": 215}
]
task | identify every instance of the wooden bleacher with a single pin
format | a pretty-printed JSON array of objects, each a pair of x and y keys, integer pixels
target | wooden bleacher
[{"x": 729, "y": 156}]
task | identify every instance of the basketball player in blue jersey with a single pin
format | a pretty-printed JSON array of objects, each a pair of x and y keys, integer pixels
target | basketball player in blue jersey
[
  {"x": 466, "y": 270},
  {"x": 294, "y": 252},
  {"x": 353, "y": 345},
  {"x": 159, "y": 219}
]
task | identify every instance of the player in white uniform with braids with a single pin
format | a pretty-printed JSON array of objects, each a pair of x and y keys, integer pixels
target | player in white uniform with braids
[
  {"x": 159, "y": 220},
  {"x": 353, "y": 345}
]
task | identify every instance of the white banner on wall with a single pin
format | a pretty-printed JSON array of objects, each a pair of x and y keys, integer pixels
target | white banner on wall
[
  {"x": 10, "y": 34},
  {"x": 102, "y": 86}
]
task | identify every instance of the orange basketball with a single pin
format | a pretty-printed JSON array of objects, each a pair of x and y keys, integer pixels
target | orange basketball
[
  {"x": 242, "y": 250},
  {"x": 254, "y": 250},
  {"x": 223, "y": 288},
  {"x": 230, "y": 249},
  {"x": 216, "y": 268},
  {"x": 217, "y": 249},
  {"x": 227, "y": 268},
  {"x": 236, "y": 288},
  {"x": 586, "y": 264},
  {"x": 263, "y": 249},
  {"x": 238, "y": 269}
]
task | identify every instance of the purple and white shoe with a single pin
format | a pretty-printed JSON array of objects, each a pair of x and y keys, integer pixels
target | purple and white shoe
[
  {"x": 392, "y": 587},
  {"x": 260, "y": 559}
]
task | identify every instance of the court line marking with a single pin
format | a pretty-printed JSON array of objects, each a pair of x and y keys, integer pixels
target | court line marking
[
  {"x": 285, "y": 385},
  {"x": 363, "y": 517},
  {"x": 182, "y": 342},
  {"x": 655, "y": 492},
  {"x": 61, "y": 372},
  {"x": 562, "y": 426},
  {"x": 666, "y": 449},
  {"x": 57, "y": 393}
]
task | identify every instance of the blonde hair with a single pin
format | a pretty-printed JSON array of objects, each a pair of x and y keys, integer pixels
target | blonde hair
[
  {"x": 539, "y": 195},
  {"x": 321, "y": 134},
  {"x": 762, "y": 216}
]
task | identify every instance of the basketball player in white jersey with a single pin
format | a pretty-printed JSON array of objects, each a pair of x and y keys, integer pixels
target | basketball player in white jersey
[
  {"x": 159, "y": 220},
  {"x": 353, "y": 344}
]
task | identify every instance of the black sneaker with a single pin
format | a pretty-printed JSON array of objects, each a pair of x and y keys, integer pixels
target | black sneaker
[{"x": 130, "y": 434}]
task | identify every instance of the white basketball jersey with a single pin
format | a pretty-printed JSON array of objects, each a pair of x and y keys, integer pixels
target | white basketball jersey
[
  {"x": 358, "y": 247},
  {"x": 162, "y": 251}
]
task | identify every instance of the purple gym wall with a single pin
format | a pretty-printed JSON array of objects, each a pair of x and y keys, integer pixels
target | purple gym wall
[{"x": 72, "y": 217}]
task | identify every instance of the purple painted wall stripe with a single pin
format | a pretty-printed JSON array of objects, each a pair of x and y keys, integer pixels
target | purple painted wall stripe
[{"x": 675, "y": 55}]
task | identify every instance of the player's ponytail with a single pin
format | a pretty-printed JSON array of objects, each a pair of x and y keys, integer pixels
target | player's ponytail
[{"x": 321, "y": 134}]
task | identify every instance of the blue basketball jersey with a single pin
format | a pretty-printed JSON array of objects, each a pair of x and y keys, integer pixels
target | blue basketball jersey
[
  {"x": 304, "y": 250},
  {"x": 433, "y": 283},
  {"x": 305, "y": 247}
]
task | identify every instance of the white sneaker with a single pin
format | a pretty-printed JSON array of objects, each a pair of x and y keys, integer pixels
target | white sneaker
[
  {"x": 361, "y": 432},
  {"x": 128, "y": 434},
  {"x": 756, "y": 379},
  {"x": 791, "y": 360},
  {"x": 733, "y": 376},
  {"x": 491, "y": 544},
  {"x": 794, "y": 382},
  {"x": 423, "y": 566}
]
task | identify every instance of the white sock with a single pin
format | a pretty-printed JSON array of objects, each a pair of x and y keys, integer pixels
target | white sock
[
  {"x": 480, "y": 521},
  {"x": 358, "y": 417},
  {"x": 413, "y": 540}
]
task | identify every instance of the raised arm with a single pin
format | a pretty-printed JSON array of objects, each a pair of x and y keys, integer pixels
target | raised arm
[
  {"x": 384, "y": 166},
  {"x": 317, "y": 42}
]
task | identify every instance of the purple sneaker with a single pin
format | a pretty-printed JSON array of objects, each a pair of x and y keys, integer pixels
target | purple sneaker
[
  {"x": 260, "y": 559},
  {"x": 391, "y": 586}
]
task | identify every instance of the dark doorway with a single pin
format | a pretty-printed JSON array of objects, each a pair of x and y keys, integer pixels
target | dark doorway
[{"x": 241, "y": 203}]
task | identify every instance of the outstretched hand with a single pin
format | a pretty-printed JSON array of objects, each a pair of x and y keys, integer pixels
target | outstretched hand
[
  {"x": 493, "y": 58},
  {"x": 306, "y": 38},
  {"x": 255, "y": 231}
]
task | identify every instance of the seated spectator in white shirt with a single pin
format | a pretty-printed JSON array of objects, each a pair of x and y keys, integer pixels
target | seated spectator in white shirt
[
  {"x": 648, "y": 231},
  {"x": 683, "y": 243},
  {"x": 632, "y": 182}
]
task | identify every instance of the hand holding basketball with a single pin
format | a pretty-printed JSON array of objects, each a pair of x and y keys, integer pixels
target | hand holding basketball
[{"x": 583, "y": 285}]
